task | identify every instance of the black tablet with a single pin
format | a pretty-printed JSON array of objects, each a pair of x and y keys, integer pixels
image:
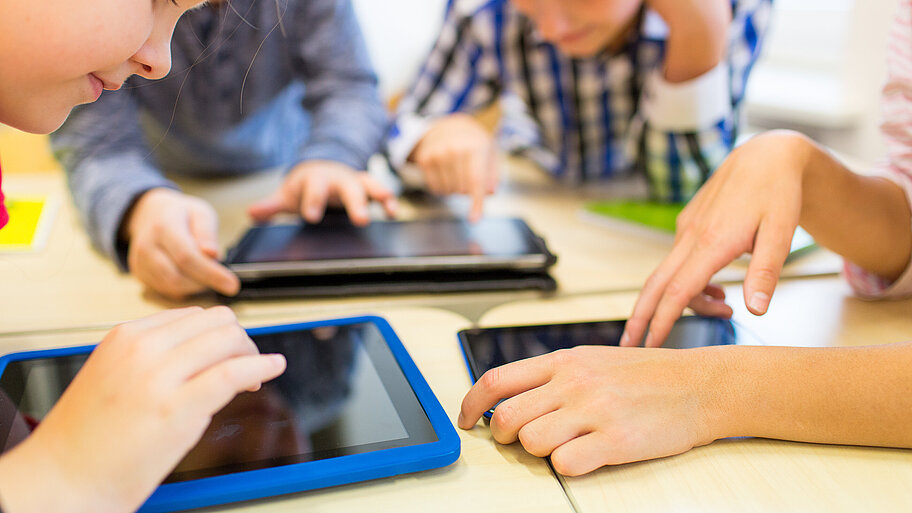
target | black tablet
[
  {"x": 351, "y": 406},
  {"x": 486, "y": 348},
  {"x": 338, "y": 247}
]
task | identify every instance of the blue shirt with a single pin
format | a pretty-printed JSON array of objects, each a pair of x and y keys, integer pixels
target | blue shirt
[{"x": 253, "y": 85}]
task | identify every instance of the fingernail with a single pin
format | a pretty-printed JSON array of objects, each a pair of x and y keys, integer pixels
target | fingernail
[
  {"x": 649, "y": 338},
  {"x": 759, "y": 301},
  {"x": 625, "y": 338},
  {"x": 278, "y": 360},
  {"x": 461, "y": 419}
]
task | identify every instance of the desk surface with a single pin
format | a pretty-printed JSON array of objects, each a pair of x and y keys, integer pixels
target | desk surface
[
  {"x": 68, "y": 284},
  {"x": 64, "y": 294},
  {"x": 754, "y": 474}
]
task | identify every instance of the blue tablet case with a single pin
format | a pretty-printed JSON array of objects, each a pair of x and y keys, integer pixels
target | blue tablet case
[{"x": 310, "y": 475}]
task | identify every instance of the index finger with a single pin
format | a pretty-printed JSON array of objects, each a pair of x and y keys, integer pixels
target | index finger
[
  {"x": 690, "y": 280},
  {"x": 478, "y": 186},
  {"x": 502, "y": 383},
  {"x": 192, "y": 262},
  {"x": 353, "y": 195},
  {"x": 648, "y": 300}
]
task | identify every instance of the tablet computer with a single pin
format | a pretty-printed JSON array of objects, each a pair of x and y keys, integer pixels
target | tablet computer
[
  {"x": 486, "y": 348},
  {"x": 351, "y": 406},
  {"x": 335, "y": 247}
]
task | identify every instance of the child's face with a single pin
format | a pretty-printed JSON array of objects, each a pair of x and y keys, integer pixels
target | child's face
[
  {"x": 56, "y": 54},
  {"x": 581, "y": 28}
]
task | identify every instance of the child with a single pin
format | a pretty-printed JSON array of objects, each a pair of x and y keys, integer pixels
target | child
[
  {"x": 588, "y": 90},
  {"x": 149, "y": 390},
  {"x": 257, "y": 85},
  {"x": 597, "y": 406}
]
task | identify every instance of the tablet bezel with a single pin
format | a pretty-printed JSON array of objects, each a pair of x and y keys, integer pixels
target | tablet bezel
[
  {"x": 471, "y": 365},
  {"x": 297, "y": 477},
  {"x": 532, "y": 262}
]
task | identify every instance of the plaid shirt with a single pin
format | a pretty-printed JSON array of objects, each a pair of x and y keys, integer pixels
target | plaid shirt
[{"x": 584, "y": 118}]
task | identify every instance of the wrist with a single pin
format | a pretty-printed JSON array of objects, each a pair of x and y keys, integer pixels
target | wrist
[
  {"x": 133, "y": 217},
  {"x": 715, "y": 388},
  {"x": 21, "y": 491}
]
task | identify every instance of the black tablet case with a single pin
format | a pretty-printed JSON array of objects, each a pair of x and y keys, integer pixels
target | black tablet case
[{"x": 427, "y": 282}]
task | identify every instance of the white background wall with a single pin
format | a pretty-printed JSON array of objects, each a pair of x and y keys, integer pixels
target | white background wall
[
  {"x": 821, "y": 72},
  {"x": 399, "y": 35}
]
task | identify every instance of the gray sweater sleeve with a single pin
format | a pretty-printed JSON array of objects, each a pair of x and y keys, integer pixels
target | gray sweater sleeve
[
  {"x": 108, "y": 166},
  {"x": 330, "y": 57}
]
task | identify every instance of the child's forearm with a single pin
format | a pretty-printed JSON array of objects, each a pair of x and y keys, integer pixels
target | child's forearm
[
  {"x": 697, "y": 38},
  {"x": 865, "y": 219},
  {"x": 851, "y": 396}
]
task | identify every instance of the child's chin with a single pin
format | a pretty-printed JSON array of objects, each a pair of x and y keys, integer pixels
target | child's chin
[{"x": 44, "y": 121}]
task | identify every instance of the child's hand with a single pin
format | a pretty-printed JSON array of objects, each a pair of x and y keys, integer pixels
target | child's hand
[
  {"x": 313, "y": 184},
  {"x": 594, "y": 405},
  {"x": 458, "y": 156},
  {"x": 697, "y": 37},
  {"x": 751, "y": 204},
  {"x": 140, "y": 402},
  {"x": 173, "y": 247}
]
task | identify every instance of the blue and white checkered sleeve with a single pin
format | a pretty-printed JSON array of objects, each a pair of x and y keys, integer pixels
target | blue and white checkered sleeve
[
  {"x": 683, "y": 132},
  {"x": 461, "y": 74}
]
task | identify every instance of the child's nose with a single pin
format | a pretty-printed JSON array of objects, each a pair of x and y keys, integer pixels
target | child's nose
[{"x": 154, "y": 59}]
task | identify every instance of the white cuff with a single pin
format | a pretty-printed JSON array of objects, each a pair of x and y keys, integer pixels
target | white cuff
[
  {"x": 411, "y": 129},
  {"x": 693, "y": 105}
]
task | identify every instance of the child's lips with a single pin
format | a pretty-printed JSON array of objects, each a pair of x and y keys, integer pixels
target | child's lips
[
  {"x": 97, "y": 86},
  {"x": 575, "y": 36}
]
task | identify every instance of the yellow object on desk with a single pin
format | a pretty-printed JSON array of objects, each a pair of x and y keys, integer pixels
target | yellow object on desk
[
  {"x": 24, "y": 152},
  {"x": 30, "y": 219}
]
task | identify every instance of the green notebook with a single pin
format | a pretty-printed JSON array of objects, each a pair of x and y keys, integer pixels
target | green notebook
[
  {"x": 647, "y": 214},
  {"x": 655, "y": 219}
]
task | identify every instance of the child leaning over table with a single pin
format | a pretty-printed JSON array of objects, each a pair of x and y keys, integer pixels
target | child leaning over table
[
  {"x": 588, "y": 90},
  {"x": 256, "y": 85},
  {"x": 147, "y": 392},
  {"x": 595, "y": 406}
]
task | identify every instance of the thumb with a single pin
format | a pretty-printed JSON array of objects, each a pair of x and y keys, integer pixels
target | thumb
[{"x": 204, "y": 228}]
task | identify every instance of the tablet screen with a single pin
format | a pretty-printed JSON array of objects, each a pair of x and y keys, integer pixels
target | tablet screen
[
  {"x": 486, "y": 348},
  {"x": 426, "y": 238},
  {"x": 343, "y": 393}
]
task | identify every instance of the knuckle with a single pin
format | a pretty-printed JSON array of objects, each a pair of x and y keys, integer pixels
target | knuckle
[
  {"x": 708, "y": 239},
  {"x": 223, "y": 315},
  {"x": 533, "y": 441},
  {"x": 563, "y": 358},
  {"x": 125, "y": 331},
  {"x": 505, "y": 416},
  {"x": 165, "y": 411},
  {"x": 563, "y": 464},
  {"x": 491, "y": 379},
  {"x": 230, "y": 375},
  {"x": 182, "y": 258},
  {"x": 764, "y": 274},
  {"x": 676, "y": 292},
  {"x": 655, "y": 280}
]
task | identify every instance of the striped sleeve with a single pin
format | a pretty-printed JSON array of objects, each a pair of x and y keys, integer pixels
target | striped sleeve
[
  {"x": 682, "y": 132},
  {"x": 897, "y": 131},
  {"x": 461, "y": 74}
]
